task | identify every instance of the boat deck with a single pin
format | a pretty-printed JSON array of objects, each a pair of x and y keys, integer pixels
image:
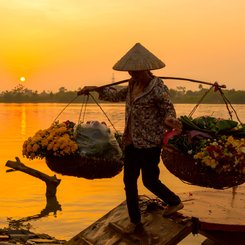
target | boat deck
[{"x": 218, "y": 215}]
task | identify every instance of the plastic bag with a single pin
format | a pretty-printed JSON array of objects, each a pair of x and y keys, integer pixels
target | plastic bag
[{"x": 95, "y": 139}]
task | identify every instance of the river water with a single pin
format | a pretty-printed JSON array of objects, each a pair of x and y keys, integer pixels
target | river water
[{"x": 80, "y": 202}]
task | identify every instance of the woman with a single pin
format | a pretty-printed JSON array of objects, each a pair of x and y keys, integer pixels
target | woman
[{"x": 149, "y": 112}]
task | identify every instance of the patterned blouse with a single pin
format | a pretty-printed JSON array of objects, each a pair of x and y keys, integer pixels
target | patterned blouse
[{"x": 145, "y": 114}]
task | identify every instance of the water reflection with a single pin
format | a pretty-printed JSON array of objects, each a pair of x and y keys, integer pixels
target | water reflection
[
  {"x": 23, "y": 121},
  {"x": 52, "y": 206},
  {"x": 83, "y": 201}
]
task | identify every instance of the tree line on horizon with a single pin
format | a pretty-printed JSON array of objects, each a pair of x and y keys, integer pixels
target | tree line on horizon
[{"x": 20, "y": 94}]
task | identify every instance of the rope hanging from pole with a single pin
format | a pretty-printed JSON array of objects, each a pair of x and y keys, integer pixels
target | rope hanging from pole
[
  {"x": 103, "y": 112},
  {"x": 64, "y": 109},
  {"x": 83, "y": 109},
  {"x": 199, "y": 102},
  {"x": 226, "y": 101}
]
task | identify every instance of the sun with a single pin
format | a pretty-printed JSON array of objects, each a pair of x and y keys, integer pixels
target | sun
[{"x": 22, "y": 79}]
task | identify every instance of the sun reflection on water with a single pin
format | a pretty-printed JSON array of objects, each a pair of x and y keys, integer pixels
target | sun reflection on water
[{"x": 23, "y": 122}]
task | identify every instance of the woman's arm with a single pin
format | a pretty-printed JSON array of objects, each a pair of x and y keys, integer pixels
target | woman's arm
[
  {"x": 108, "y": 94},
  {"x": 113, "y": 95}
]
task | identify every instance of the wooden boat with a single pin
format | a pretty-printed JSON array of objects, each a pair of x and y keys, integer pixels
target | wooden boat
[
  {"x": 220, "y": 214},
  {"x": 217, "y": 214}
]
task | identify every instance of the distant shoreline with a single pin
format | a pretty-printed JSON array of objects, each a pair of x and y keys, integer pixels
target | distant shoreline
[{"x": 178, "y": 96}]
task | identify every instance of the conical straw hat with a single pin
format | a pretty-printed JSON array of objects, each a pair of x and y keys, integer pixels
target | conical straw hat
[{"x": 138, "y": 58}]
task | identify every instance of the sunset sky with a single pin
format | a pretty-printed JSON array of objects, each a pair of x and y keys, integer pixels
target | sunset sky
[{"x": 72, "y": 43}]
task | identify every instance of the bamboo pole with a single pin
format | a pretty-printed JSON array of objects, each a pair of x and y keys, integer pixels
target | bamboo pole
[
  {"x": 166, "y": 78},
  {"x": 194, "y": 81}
]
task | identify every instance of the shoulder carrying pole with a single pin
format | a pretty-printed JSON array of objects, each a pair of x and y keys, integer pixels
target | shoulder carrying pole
[{"x": 166, "y": 78}]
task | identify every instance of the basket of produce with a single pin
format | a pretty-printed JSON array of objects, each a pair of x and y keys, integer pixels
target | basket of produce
[
  {"x": 89, "y": 150},
  {"x": 210, "y": 152}
]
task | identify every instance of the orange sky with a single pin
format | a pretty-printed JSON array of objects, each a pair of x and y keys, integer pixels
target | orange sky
[{"x": 75, "y": 43}]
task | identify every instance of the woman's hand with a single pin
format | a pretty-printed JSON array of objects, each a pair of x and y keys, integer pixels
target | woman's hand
[
  {"x": 173, "y": 123},
  {"x": 85, "y": 90}
]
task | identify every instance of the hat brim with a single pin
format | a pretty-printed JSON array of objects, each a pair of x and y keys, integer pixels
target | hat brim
[{"x": 138, "y": 58}]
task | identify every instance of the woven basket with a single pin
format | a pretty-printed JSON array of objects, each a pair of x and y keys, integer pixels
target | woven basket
[
  {"x": 89, "y": 168},
  {"x": 185, "y": 168}
]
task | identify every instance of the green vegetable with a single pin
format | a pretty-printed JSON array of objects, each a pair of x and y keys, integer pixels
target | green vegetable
[
  {"x": 210, "y": 124},
  {"x": 225, "y": 125},
  {"x": 206, "y": 122},
  {"x": 190, "y": 124},
  {"x": 187, "y": 122}
]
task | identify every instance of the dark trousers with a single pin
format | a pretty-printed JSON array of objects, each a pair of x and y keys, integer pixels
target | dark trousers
[{"x": 147, "y": 160}]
